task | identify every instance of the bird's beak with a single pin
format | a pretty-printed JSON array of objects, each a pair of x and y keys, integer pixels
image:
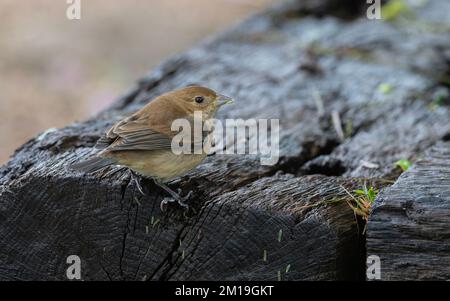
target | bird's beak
[{"x": 223, "y": 100}]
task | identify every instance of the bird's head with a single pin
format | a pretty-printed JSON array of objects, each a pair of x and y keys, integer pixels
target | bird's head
[{"x": 196, "y": 98}]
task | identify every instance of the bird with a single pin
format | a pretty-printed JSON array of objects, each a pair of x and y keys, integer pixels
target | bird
[{"x": 142, "y": 142}]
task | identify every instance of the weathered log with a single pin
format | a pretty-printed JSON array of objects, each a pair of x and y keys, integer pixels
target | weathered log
[
  {"x": 275, "y": 64},
  {"x": 408, "y": 228}
]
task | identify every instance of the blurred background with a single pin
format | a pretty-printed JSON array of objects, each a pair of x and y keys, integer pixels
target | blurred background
[{"x": 54, "y": 71}]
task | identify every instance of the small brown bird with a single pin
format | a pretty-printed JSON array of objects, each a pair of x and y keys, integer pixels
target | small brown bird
[{"x": 142, "y": 141}]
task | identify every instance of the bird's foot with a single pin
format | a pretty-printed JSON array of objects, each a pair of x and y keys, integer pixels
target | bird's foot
[
  {"x": 179, "y": 199},
  {"x": 137, "y": 181}
]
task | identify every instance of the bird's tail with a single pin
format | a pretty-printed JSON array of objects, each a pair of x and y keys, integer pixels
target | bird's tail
[{"x": 93, "y": 165}]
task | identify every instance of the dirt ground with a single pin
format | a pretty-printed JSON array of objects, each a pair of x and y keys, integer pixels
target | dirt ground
[{"x": 54, "y": 71}]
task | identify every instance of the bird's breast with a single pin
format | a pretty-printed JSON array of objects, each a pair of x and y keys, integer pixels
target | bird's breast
[{"x": 163, "y": 165}]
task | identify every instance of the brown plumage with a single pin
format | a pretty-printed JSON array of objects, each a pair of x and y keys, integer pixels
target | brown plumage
[{"x": 142, "y": 141}]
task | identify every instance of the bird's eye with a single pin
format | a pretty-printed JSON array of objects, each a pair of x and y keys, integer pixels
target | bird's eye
[{"x": 199, "y": 99}]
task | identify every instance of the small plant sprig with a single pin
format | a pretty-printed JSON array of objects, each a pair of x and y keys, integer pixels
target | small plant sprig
[
  {"x": 394, "y": 9},
  {"x": 439, "y": 100},
  {"x": 362, "y": 200},
  {"x": 370, "y": 193},
  {"x": 385, "y": 88},
  {"x": 404, "y": 164},
  {"x": 280, "y": 273}
]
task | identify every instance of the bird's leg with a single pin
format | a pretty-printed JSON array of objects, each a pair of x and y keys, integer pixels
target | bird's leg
[
  {"x": 175, "y": 196},
  {"x": 213, "y": 144},
  {"x": 137, "y": 181}
]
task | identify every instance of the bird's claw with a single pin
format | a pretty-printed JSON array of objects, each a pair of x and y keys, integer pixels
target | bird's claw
[
  {"x": 137, "y": 181},
  {"x": 139, "y": 187},
  {"x": 181, "y": 201}
]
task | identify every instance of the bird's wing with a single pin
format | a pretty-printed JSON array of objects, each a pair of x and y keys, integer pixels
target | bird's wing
[{"x": 133, "y": 133}]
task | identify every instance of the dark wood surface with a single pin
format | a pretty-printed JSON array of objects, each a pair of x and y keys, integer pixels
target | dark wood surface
[{"x": 408, "y": 228}]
